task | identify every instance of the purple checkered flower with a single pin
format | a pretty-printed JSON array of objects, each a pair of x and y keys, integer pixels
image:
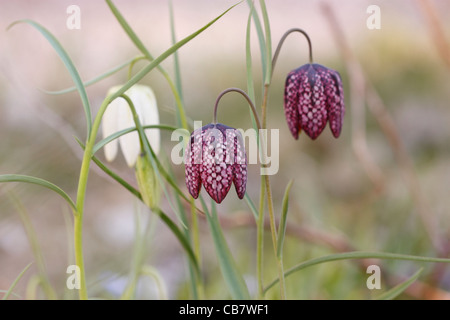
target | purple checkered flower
[
  {"x": 215, "y": 157},
  {"x": 314, "y": 95}
]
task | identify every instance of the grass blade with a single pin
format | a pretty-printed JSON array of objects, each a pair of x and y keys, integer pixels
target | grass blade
[
  {"x": 181, "y": 115},
  {"x": 11, "y": 288},
  {"x": 233, "y": 279},
  {"x": 251, "y": 205},
  {"x": 175, "y": 56},
  {"x": 40, "y": 182},
  {"x": 35, "y": 247},
  {"x": 268, "y": 42},
  {"x": 283, "y": 221},
  {"x": 181, "y": 238},
  {"x": 261, "y": 39},
  {"x": 117, "y": 134},
  {"x": 96, "y": 79},
  {"x": 249, "y": 68},
  {"x": 164, "y": 217},
  {"x": 355, "y": 255},
  {"x": 144, "y": 71},
  {"x": 398, "y": 289},
  {"x": 69, "y": 65}
]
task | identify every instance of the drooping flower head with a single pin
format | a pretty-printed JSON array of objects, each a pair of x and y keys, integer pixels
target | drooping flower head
[
  {"x": 215, "y": 158},
  {"x": 118, "y": 116},
  {"x": 314, "y": 95}
]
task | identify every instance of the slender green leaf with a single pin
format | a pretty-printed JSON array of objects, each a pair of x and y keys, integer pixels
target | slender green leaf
[
  {"x": 249, "y": 68},
  {"x": 283, "y": 221},
  {"x": 38, "y": 181},
  {"x": 144, "y": 71},
  {"x": 140, "y": 45},
  {"x": 233, "y": 279},
  {"x": 152, "y": 273},
  {"x": 35, "y": 247},
  {"x": 96, "y": 79},
  {"x": 113, "y": 175},
  {"x": 69, "y": 65},
  {"x": 184, "y": 241},
  {"x": 176, "y": 60},
  {"x": 356, "y": 255},
  {"x": 12, "y": 294},
  {"x": 180, "y": 112},
  {"x": 117, "y": 134},
  {"x": 400, "y": 288},
  {"x": 191, "y": 235},
  {"x": 251, "y": 205},
  {"x": 268, "y": 42},
  {"x": 147, "y": 148},
  {"x": 165, "y": 218},
  {"x": 261, "y": 39},
  {"x": 11, "y": 288},
  {"x": 127, "y": 28}
]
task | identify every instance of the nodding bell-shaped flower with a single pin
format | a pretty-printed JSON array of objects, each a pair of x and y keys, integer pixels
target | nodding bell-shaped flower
[
  {"x": 118, "y": 116},
  {"x": 314, "y": 95},
  {"x": 216, "y": 157}
]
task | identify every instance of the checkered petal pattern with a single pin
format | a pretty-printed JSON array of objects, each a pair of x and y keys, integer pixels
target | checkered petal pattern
[{"x": 314, "y": 96}]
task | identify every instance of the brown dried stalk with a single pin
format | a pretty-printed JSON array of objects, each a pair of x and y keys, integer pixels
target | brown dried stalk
[
  {"x": 362, "y": 87},
  {"x": 436, "y": 30}
]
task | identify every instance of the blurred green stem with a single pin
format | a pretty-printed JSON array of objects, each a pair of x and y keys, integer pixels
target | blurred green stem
[
  {"x": 273, "y": 227},
  {"x": 196, "y": 244},
  {"x": 260, "y": 240},
  {"x": 81, "y": 195}
]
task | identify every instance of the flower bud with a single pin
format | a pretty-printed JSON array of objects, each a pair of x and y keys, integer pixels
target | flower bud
[{"x": 147, "y": 181}]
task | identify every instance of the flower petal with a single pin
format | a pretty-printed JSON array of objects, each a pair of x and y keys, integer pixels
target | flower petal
[
  {"x": 146, "y": 106},
  {"x": 335, "y": 101},
  {"x": 240, "y": 165},
  {"x": 291, "y": 96},
  {"x": 193, "y": 156},
  {"x": 109, "y": 126},
  {"x": 312, "y": 102},
  {"x": 216, "y": 169},
  {"x": 129, "y": 143}
]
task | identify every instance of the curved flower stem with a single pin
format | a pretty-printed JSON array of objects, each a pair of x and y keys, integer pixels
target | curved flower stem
[
  {"x": 242, "y": 92},
  {"x": 266, "y": 177},
  {"x": 260, "y": 240},
  {"x": 266, "y": 182},
  {"x": 285, "y": 35},
  {"x": 81, "y": 194},
  {"x": 132, "y": 63}
]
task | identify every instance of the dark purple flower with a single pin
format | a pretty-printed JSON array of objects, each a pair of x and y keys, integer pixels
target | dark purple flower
[
  {"x": 215, "y": 157},
  {"x": 314, "y": 95}
]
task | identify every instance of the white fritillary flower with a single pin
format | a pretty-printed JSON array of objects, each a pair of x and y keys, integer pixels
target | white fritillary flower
[{"x": 118, "y": 116}]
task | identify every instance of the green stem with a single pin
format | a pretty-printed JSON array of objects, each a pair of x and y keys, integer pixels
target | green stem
[
  {"x": 132, "y": 63},
  {"x": 81, "y": 195},
  {"x": 196, "y": 243},
  {"x": 273, "y": 228},
  {"x": 260, "y": 241}
]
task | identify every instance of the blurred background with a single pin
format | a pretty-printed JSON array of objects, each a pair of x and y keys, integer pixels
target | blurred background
[{"x": 382, "y": 186}]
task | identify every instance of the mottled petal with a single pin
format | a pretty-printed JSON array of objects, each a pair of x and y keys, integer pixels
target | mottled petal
[
  {"x": 335, "y": 101},
  {"x": 291, "y": 95},
  {"x": 216, "y": 169},
  {"x": 312, "y": 103},
  {"x": 240, "y": 165},
  {"x": 317, "y": 93},
  {"x": 193, "y": 156}
]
